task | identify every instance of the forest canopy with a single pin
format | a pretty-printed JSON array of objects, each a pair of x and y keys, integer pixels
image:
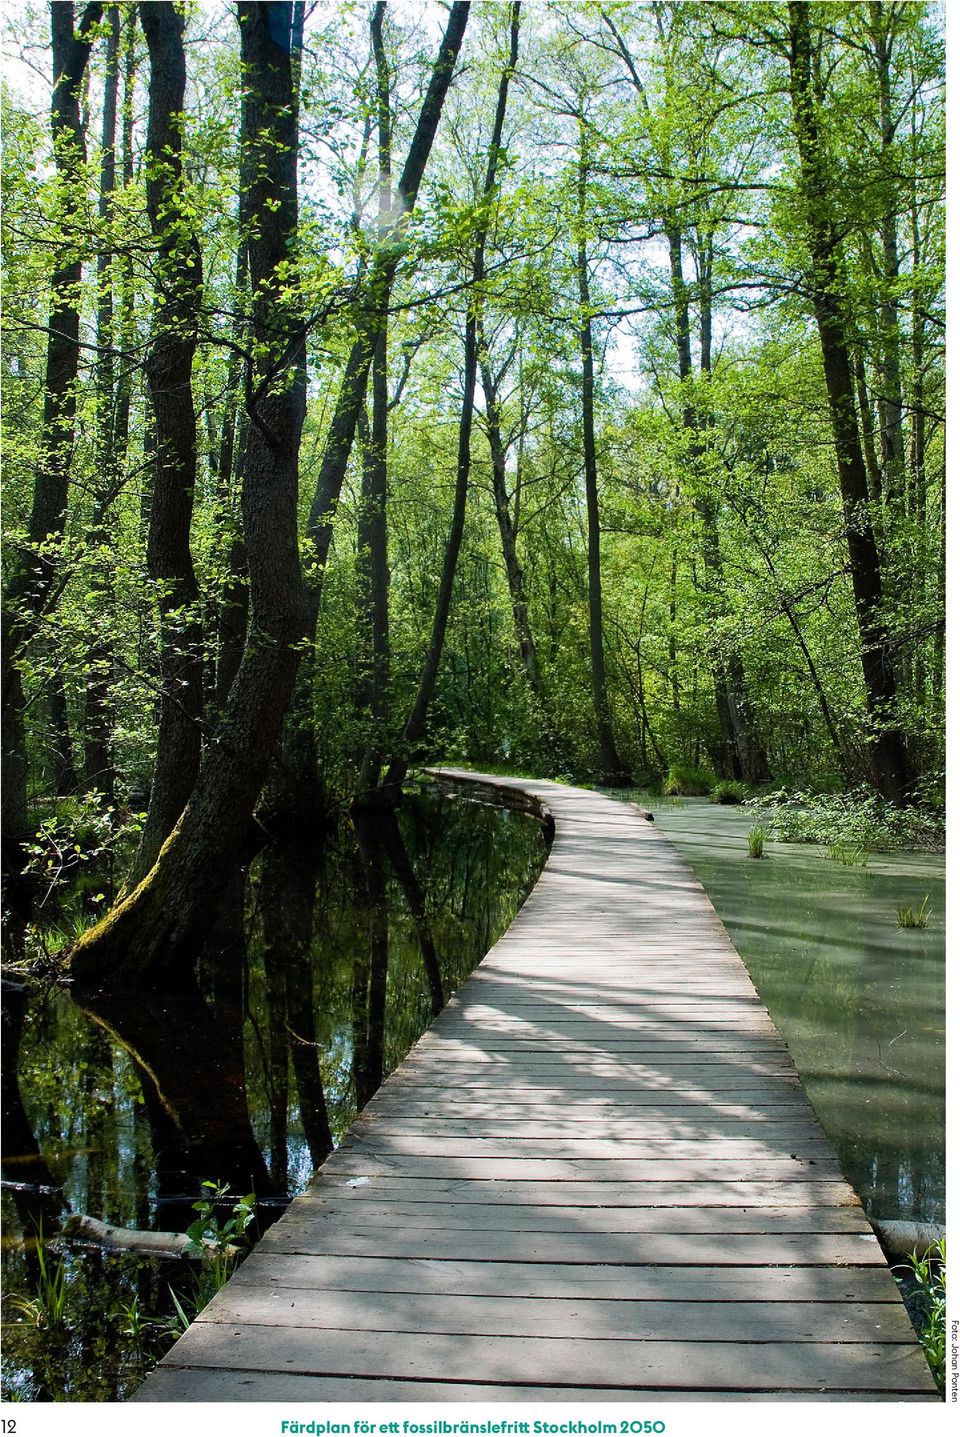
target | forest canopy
[{"x": 550, "y": 386}]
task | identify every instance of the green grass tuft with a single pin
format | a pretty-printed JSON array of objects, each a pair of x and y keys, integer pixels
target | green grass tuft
[
  {"x": 849, "y": 852},
  {"x": 907, "y": 918},
  {"x": 47, "y": 1307}
]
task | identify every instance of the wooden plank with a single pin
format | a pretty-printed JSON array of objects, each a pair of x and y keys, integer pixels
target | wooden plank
[
  {"x": 305, "y": 1234},
  {"x": 769, "y": 1137},
  {"x": 656, "y": 1025},
  {"x": 697, "y": 1008},
  {"x": 355, "y": 1162},
  {"x": 698, "y": 1083},
  {"x": 591, "y": 1318},
  {"x": 739, "y": 1192},
  {"x": 645, "y": 1156},
  {"x": 559, "y": 1085},
  {"x": 595, "y": 1006},
  {"x": 212, "y": 1384},
  {"x": 870, "y": 1366},
  {"x": 639, "y": 1060},
  {"x": 677, "y": 1122},
  {"x": 532, "y": 1122},
  {"x": 361, "y": 1206},
  {"x": 638, "y": 1065},
  {"x": 605, "y": 1102},
  {"x": 591, "y": 993},
  {"x": 770, "y": 1283}
]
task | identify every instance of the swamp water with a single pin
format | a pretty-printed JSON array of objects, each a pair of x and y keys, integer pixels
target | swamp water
[
  {"x": 327, "y": 966},
  {"x": 859, "y": 1001}
]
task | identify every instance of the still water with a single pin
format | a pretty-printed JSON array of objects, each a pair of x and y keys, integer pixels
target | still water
[
  {"x": 325, "y": 965},
  {"x": 859, "y": 1001}
]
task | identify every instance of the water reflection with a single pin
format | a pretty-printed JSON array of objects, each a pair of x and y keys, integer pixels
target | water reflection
[
  {"x": 188, "y": 1058},
  {"x": 324, "y": 966},
  {"x": 859, "y": 1000}
]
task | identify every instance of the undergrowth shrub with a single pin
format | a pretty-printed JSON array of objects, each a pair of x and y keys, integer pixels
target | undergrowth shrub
[
  {"x": 728, "y": 790},
  {"x": 926, "y": 1281},
  {"x": 859, "y": 820},
  {"x": 686, "y": 781}
]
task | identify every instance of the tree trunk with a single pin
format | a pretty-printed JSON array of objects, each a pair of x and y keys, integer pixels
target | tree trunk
[
  {"x": 742, "y": 754},
  {"x": 918, "y": 442},
  {"x": 818, "y": 688},
  {"x": 891, "y": 767},
  {"x": 506, "y": 518},
  {"x": 417, "y": 718},
  {"x": 672, "y": 635},
  {"x": 288, "y": 891},
  {"x": 612, "y": 769},
  {"x": 343, "y": 425},
  {"x": 99, "y": 774},
  {"x": 416, "y": 721},
  {"x": 155, "y": 933},
  {"x": 369, "y": 1075},
  {"x": 891, "y": 384},
  {"x": 516, "y": 582},
  {"x": 745, "y": 754},
  {"x": 392, "y": 839},
  {"x": 874, "y": 477},
  {"x": 374, "y": 301},
  {"x": 232, "y": 603},
  {"x": 34, "y": 569},
  {"x": 125, "y": 326},
  {"x": 65, "y": 768},
  {"x": 170, "y": 377},
  {"x": 373, "y": 560},
  {"x": 191, "y": 1068},
  {"x": 373, "y": 579}
]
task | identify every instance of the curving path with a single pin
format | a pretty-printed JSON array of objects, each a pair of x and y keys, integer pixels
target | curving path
[{"x": 595, "y": 1177}]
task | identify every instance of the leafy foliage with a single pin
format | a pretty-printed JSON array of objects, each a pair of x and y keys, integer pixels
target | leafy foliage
[
  {"x": 686, "y": 781},
  {"x": 928, "y": 1279},
  {"x": 858, "y": 820},
  {"x": 729, "y": 790}
]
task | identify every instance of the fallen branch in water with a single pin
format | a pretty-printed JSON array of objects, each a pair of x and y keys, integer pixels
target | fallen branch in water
[
  {"x": 132, "y": 1239},
  {"x": 900, "y": 1239}
]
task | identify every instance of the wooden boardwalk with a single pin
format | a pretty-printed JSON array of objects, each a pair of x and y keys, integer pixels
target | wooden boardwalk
[{"x": 596, "y": 1177}]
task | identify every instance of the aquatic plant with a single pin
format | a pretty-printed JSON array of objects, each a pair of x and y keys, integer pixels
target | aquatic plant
[
  {"x": 46, "y": 1307},
  {"x": 907, "y": 918},
  {"x": 928, "y": 1280},
  {"x": 755, "y": 841},
  {"x": 848, "y": 852},
  {"x": 182, "y": 1318},
  {"x": 134, "y": 1323},
  {"x": 217, "y": 1244}
]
